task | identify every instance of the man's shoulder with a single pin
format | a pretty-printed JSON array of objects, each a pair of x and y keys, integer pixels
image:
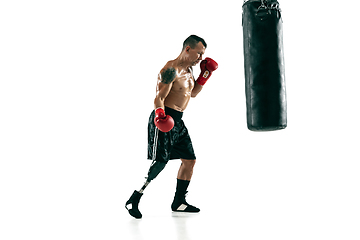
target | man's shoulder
[
  {"x": 169, "y": 64},
  {"x": 168, "y": 73}
]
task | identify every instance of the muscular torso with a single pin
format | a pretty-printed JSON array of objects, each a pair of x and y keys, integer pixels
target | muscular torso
[
  {"x": 180, "y": 88},
  {"x": 180, "y": 92}
]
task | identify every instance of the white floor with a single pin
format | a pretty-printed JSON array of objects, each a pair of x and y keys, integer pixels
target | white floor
[
  {"x": 268, "y": 205},
  {"x": 230, "y": 217}
]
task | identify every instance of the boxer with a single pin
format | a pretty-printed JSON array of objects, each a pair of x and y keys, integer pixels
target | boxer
[{"x": 168, "y": 137}]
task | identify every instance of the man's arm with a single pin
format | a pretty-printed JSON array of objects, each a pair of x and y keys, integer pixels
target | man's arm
[
  {"x": 197, "y": 88},
  {"x": 166, "y": 78}
]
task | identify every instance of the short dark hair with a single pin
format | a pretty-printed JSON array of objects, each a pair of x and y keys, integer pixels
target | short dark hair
[{"x": 192, "y": 41}]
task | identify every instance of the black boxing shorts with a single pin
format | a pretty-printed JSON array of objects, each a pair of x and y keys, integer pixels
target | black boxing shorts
[{"x": 174, "y": 144}]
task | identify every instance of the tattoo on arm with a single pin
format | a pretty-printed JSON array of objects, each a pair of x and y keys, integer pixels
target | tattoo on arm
[{"x": 168, "y": 75}]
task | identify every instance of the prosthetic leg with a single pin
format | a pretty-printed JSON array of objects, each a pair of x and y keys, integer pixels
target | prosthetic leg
[{"x": 132, "y": 205}]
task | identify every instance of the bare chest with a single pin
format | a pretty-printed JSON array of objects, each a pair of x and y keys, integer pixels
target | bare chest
[{"x": 184, "y": 82}]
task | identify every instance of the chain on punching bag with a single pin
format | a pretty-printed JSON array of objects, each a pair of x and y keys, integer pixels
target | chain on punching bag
[{"x": 264, "y": 65}]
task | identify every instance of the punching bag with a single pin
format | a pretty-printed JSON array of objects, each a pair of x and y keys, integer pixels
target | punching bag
[{"x": 264, "y": 65}]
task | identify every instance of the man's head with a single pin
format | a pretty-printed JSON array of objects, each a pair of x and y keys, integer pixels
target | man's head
[{"x": 194, "y": 47}]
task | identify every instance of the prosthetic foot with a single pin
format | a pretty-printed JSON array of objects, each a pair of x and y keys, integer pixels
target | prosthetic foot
[
  {"x": 132, "y": 205},
  {"x": 180, "y": 205}
]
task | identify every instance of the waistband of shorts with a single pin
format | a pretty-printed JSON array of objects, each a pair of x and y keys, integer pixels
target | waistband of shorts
[{"x": 176, "y": 115}]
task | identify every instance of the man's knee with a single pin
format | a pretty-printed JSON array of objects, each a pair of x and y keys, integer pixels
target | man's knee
[{"x": 189, "y": 163}]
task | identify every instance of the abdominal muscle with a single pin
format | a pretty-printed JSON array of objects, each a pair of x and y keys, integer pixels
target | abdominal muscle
[{"x": 177, "y": 100}]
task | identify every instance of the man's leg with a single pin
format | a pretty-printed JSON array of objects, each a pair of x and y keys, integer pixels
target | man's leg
[
  {"x": 159, "y": 150},
  {"x": 183, "y": 180},
  {"x": 186, "y": 169},
  {"x": 132, "y": 205}
]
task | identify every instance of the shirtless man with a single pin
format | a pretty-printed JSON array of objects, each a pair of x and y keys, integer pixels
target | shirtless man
[{"x": 168, "y": 137}]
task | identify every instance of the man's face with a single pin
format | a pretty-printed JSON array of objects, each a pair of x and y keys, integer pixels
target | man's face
[{"x": 195, "y": 54}]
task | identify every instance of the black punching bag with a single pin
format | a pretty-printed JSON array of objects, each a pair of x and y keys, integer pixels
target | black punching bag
[{"x": 264, "y": 65}]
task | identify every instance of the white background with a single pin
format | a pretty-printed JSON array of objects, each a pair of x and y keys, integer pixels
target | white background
[{"x": 77, "y": 87}]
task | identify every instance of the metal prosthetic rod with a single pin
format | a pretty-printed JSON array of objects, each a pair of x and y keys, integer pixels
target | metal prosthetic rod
[{"x": 155, "y": 168}]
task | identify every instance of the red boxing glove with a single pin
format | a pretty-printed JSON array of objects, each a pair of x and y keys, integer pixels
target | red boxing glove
[
  {"x": 163, "y": 122},
  {"x": 207, "y": 66}
]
